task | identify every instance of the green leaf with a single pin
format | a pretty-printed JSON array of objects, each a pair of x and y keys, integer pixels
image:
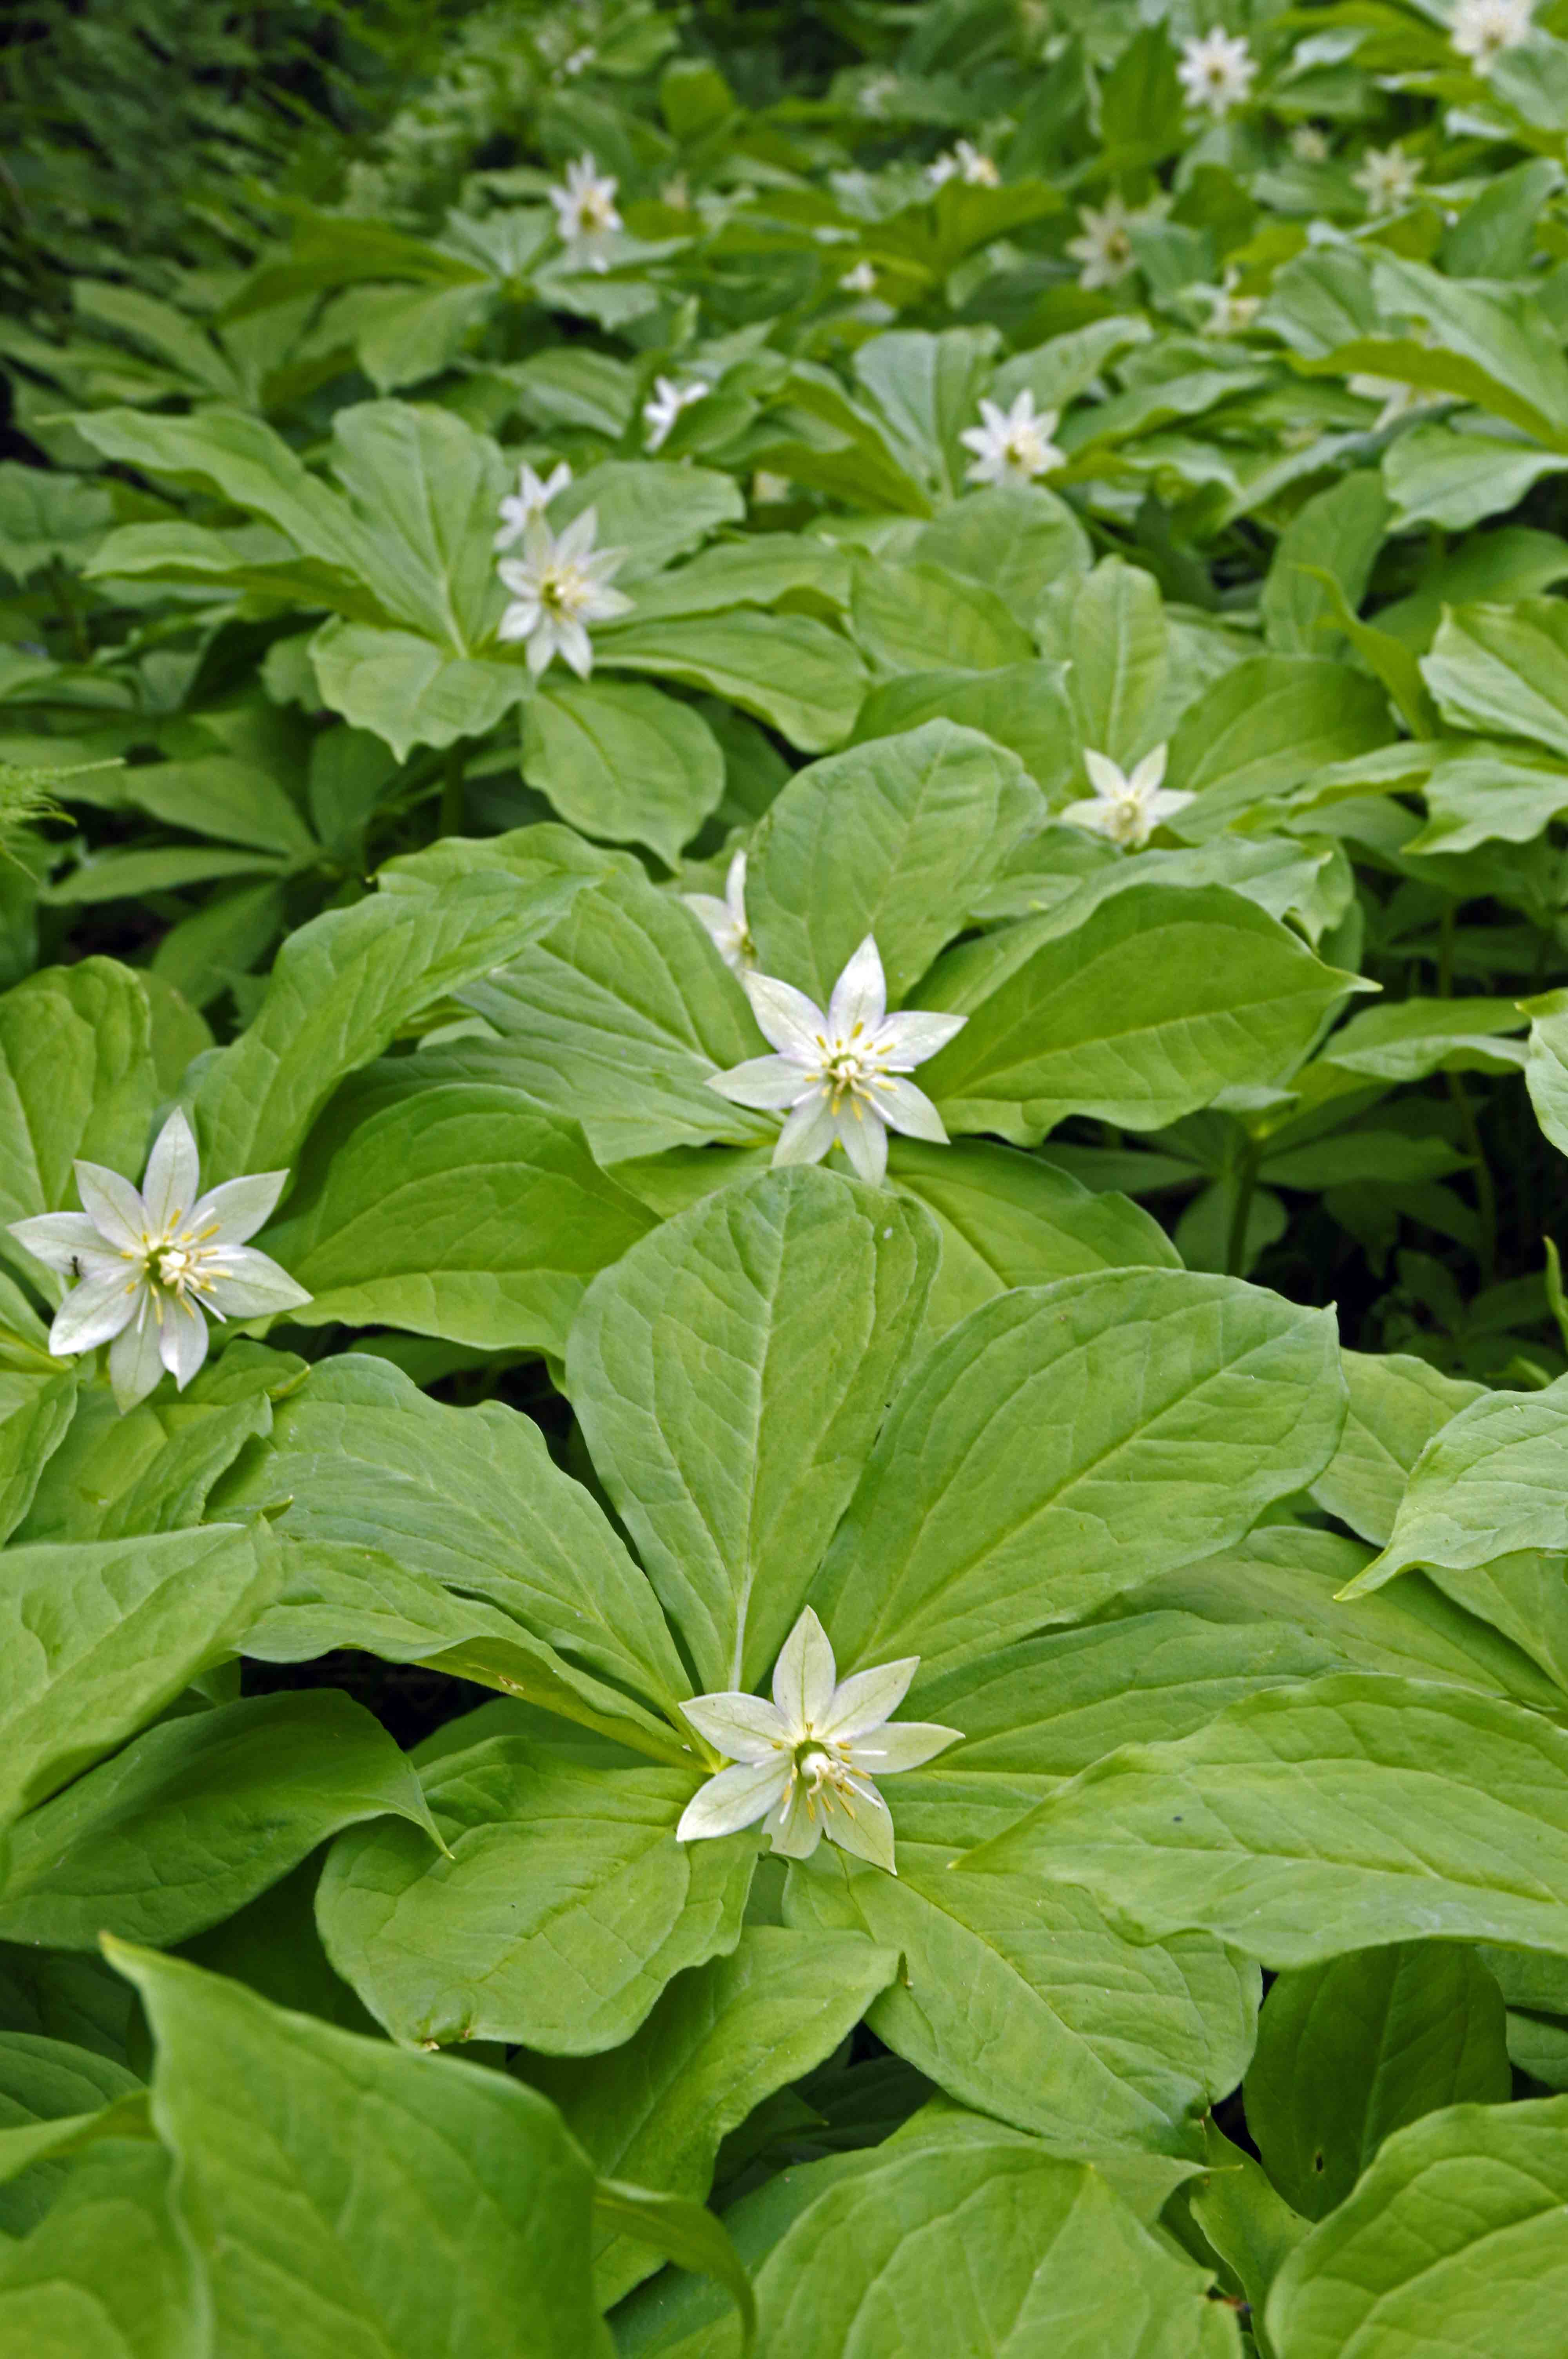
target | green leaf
[
  {"x": 1162, "y": 998},
  {"x": 360, "y": 1458},
  {"x": 1504, "y": 356},
  {"x": 1340, "y": 530},
  {"x": 1328, "y": 1817},
  {"x": 1482, "y": 791},
  {"x": 792, "y": 672},
  {"x": 1265, "y": 725},
  {"x": 1504, "y": 669},
  {"x": 1022, "y": 706},
  {"x": 893, "y": 839},
  {"x": 681, "y": 2231},
  {"x": 35, "y": 1416},
  {"x": 621, "y": 761},
  {"x": 915, "y": 617},
  {"x": 452, "y": 1209},
  {"x": 724, "y": 2037},
  {"x": 1109, "y": 631},
  {"x": 1546, "y": 1072},
  {"x": 99, "y": 1638},
  {"x": 1066, "y": 1441},
  {"x": 1454, "y": 2237},
  {"x": 713, "y": 1325},
  {"x": 315, "y": 2238},
  {"x": 1244, "y": 2218},
  {"x": 433, "y": 487},
  {"x": 1485, "y": 1485},
  {"x": 48, "y": 2081},
  {"x": 108, "y": 2274},
  {"x": 1011, "y": 1220},
  {"x": 76, "y": 1079},
  {"x": 656, "y": 511},
  {"x": 237, "y": 801},
  {"x": 341, "y": 986},
  {"x": 1397, "y": 1404},
  {"x": 1351, "y": 2051},
  {"x": 616, "y": 1019},
  {"x": 1029, "y": 2006},
  {"x": 195, "y": 1818},
  {"x": 1011, "y": 537},
  {"x": 561, "y": 1910},
  {"x": 1436, "y": 476},
  {"x": 406, "y": 689}
]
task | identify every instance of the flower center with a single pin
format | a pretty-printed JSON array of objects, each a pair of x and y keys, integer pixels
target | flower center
[
  {"x": 592, "y": 212},
  {"x": 850, "y": 1067},
  {"x": 819, "y": 1766},
  {"x": 563, "y": 590}
]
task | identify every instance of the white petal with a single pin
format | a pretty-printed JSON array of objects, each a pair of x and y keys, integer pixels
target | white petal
[
  {"x": 251, "y": 1285},
  {"x": 134, "y": 1366},
  {"x": 977, "y": 439},
  {"x": 859, "y": 1824},
  {"x": 1096, "y": 813},
  {"x": 906, "y": 1108},
  {"x": 519, "y": 622},
  {"x": 541, "y": 646},
  {"x": 1149, "y": 772},
  {"x": 808, "y": 1132},
  {"x": 774, "y": 1082},
  {"x": 1168, "y": 802},
  {"x": 576, "y": 646},
  {"x": 864, "y": 1701},
  {"x": 859, "y": 995},
  {"x": 795, "y": 1025},
  {"x": 735, "y": 888},
  {"x": 1105, "y": 777},
  {"x": 885, "y": 1751},
  {"x": 94, "y": 1311},
  {"x": 914, "y": 1034},
  {"x": 182, "y": 1345},
  {"x": 173, "y": 1178},
  {"x": 733, "y": 1799},
  {"x": 239, "y": 1208},
  {"x": 794, "y": 1828},
  {"x": 57, "y": 1238},
  {"x": 743, "y": 1727},
  {"x": 804, "y": 1675},
  {"x": 606, "y": 605},
  {"x": 114, "y": 1205},
  {"x": 863, "y": 1140},
  {"x": 579, "y": 536}
]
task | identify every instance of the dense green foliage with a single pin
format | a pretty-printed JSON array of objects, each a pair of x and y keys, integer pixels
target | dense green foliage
[{"x": 821, "y": 757}]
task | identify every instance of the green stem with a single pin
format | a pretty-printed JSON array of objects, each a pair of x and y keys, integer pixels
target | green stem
[
  {"x": 450, "y": 821},
  {"x": 1241, "y": 1212},
  {"x": 1486, "y": 1188}
]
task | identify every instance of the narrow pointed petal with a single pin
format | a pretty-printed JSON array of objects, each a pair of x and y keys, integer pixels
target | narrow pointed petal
[
  {"x": 173, "y": 1178},
  {"x": 859, "y": 1824},
  {"x": 863, "y": 1140},
  {"x": 867, "y": 1698},
  {"x": 772, "y": 1082},
  {"x": 541, "y": 647},
  {"x": 56, "y": 1238},
  {"x": 735, "y": 888},
  {"x": 113, "y": 1204},
  {"x": 577, "y": 537},
  {"x": 1149, "y": 772},
  {"x": 182, "y": 1344},
  {"x": 576, "y": 646},
  {"x": 803, "y": 1676},
  {"x": 135, "y": 1364},
  {"x": 251, "y": 1285},
  {"x": 795, "y": 1025},
  {"x": 861, "y": 994},
  {"x": 916, "y": 1033},
  {"x": 93, "y": 1312},
  {"x": 1105, "y": 777},
  {"x": 235, "y": 1210},
  {"x": 794, "y": 1827},
  {"x": 733, "y": 1799},
  {"x": 716, "y": 916},
  {"x": 906, "y": 1108},
  {"x": 743, "y": 1727},
  {"x": 1095, "y": 814},
  {"x": 1167, "y": 803},
  {"x": 885, "y": 1751},
  {"x": 808, "y": 1132},
  {"x": 976, "y": 439}
]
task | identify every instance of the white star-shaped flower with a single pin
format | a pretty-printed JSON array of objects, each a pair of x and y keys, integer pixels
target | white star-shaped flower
[
  {"x": 1104, "y": 249},
  {"x": 1217, "y": 72},
  {"x": 1012, "y": 446},
  {"x": 841, "y": 1075},
  {"x": 1126, "y": 809},
  {"x": 964, "y": 161},
  {"x": 860, "y": 280},
  {"x": 585, "y": 213},
  {"x": 558, "y": 588},
  {"x": 1483, "y": 29},
  {"x": 806, "y": 1763},
  {"x": 1230, "y": 314},
  {"x": 726, "y": 921},
  {"x": 152, "y": 1266},
  {"x": 531, "y": 498},
  {"x": 1309, "y": 145},
  {"x": 1388, "y": 179},
  {"x": 669, "y": 400}
]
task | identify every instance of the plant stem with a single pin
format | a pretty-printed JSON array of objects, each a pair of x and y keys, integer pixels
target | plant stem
[
  {"x": 1485, "y": 1187},
  {"x": 450, "y": 821},
  {"x": 1241, "y": 1211}
]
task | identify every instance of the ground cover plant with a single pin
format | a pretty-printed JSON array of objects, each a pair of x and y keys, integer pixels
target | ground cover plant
[{"x": 784, "y": 1069}]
